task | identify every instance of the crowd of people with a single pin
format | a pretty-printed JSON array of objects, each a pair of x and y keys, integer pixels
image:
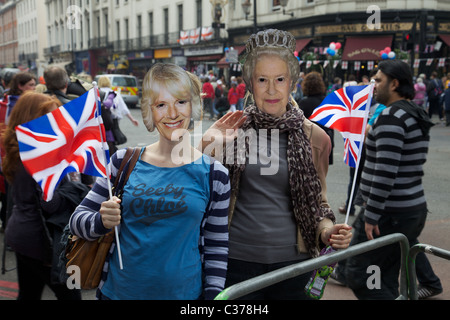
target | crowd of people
[
  {"x": 221, "y": 96},
  {"x": 249, "y": 199}
]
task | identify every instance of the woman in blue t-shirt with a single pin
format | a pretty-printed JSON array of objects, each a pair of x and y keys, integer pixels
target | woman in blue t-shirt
[{"x": 173, "y": 212}]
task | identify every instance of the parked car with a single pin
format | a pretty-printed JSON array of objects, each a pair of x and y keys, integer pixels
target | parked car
[{"x": 126, "y": 85}]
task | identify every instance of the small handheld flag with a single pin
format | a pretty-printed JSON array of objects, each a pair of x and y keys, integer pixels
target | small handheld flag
[
  {"x": 69, "y": 139},
  {"x": 65, "y": 140},
  {"x": 346, "y": 110}
]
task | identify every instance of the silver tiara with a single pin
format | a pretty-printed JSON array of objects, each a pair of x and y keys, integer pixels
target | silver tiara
[{"x": 271, "y": 38}]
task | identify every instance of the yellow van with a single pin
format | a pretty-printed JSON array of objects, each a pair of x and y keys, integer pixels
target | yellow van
[{"x": 126, "y": 85}]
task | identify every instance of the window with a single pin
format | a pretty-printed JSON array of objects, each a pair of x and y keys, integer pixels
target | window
[
  {"x": 124, "y": 82},
  {"x": 198, "y": 4},
  {"x": 180, "y": 17},
  {"x": 150, "y": 23},
  {"x": 139, "y": 26},
  {"x": 166, "y": 25}
]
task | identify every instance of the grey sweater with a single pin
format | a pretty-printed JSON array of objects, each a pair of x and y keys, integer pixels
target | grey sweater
[{"x": 391, "y": 182}]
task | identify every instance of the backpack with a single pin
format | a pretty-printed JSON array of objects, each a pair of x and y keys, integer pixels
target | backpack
[{"x": 436, "y": 92}]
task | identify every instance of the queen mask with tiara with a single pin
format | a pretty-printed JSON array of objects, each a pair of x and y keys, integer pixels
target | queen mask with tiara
[{"x": 271, "y": 38}]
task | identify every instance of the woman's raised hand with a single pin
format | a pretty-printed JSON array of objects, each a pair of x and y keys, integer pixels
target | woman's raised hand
[{"x": 223, "y": 130}]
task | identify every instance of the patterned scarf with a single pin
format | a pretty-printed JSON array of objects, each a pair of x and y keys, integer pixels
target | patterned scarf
[{"x": 303, "y": 179}]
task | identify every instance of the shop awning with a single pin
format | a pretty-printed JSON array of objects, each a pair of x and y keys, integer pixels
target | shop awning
[
  {"x": 445, "y": 38},
  {"x": 223, "y": 63},
  {"x": 365, "y": 48},
  {"x": 301, "y": 44}
]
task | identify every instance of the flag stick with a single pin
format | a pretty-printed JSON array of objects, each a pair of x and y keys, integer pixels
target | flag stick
[
  {"x": 108, "y": 173},
  {"x": 369, "y": 102}
]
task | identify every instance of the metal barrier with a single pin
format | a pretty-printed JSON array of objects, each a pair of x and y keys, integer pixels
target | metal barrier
[
  {"x": 243, "y": 288},
  {"x": 412, "y": 260}
]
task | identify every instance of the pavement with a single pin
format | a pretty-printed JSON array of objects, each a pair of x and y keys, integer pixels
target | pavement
[{"x": 436, "y": 182}]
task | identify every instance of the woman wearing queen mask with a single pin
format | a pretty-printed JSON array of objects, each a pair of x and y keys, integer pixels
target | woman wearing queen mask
[{"x": 280, "y": 216}]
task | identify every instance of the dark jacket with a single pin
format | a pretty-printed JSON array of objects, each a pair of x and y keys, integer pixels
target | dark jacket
[
  {"x": 61, "y": 96},
  {"x": 33, "y": 223}
]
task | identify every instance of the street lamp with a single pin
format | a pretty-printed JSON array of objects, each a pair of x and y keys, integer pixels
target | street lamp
[
  {"x": 284, "y": 3},
  {"x": 246, "y": 4}
]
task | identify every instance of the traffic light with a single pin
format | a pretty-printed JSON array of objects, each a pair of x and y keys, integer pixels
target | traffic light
[{"x": 408, "y": 40}]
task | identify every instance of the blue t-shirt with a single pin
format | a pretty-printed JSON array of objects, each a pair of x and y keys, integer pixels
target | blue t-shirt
[
  {"x": 377, "y": 112},
  {"x": 159, "y": 233}
]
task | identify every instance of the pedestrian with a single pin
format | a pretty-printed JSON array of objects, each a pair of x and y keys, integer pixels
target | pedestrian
[
  {"x": 33, "y": 225},
  {"x": 208, "y": 96},
  {"x": 314, "y": 89},
  {"x": 447, "y": 105},
  {"x": 57, "y": 82},
  {"x": 222, "y": 105},
  {"x": 391, "y": 186},
  {"x": 120, "y": 108},
  {"x": 217, "y": 85},
  {"x": 117, "y": 108},
  {"x": 233, "y": 96},
  {"x": 279, "y": 214},
  {"x": 351, "y": 81},
  {"x": 173, "y": 213},
  {"x": 434, "y": 92},
  {"x": 6, "y": 77},
  {"x": 241, "y": 93},
  {"x": 19, "y": 83},
  {"x": 421, "y": 92},
  {"x": 337, "y": 84}
]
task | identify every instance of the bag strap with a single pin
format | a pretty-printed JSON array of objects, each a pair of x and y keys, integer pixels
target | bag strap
[{"x": 130, "y": 158}]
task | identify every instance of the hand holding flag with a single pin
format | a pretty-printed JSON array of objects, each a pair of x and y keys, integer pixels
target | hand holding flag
[{"x": 70, "y": 139}]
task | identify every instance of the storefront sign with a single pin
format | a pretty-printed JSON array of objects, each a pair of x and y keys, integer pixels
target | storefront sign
[
  {"x": 362, "y": 27},
  {"x": 203, "y": 50},
  {"x": 163, "y": 53},
  {"x": 148, "y": 54}
]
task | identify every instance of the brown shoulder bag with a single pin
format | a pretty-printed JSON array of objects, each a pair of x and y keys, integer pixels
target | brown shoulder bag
[{"x": 90, "y": 256}]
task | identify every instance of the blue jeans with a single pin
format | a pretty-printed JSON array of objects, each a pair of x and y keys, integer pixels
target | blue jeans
[{"x": 240, "y": 104}]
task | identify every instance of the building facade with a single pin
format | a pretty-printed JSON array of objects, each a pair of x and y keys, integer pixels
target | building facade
[
  {"x": 128, "y": 36},
  {"x": 9, "y": 53},
  {"x": 32, "y": 35},
  {"x": 416, "y": 31}
]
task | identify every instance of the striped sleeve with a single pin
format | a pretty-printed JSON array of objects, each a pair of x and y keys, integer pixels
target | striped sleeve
[
  {"x": 215, "y": 233},
  {"x": 85, "y": 221},
  {"x": 392, "y": 176}
]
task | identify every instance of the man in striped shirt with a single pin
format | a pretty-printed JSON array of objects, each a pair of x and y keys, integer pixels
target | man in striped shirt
[{"x": 391, "y": 182}]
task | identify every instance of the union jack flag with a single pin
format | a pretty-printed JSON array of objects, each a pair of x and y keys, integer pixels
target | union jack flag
[
  {"x": 346, "y": 110},
  {"x": 6, "y": 106},
  {"x": 69, "y": 139}
]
